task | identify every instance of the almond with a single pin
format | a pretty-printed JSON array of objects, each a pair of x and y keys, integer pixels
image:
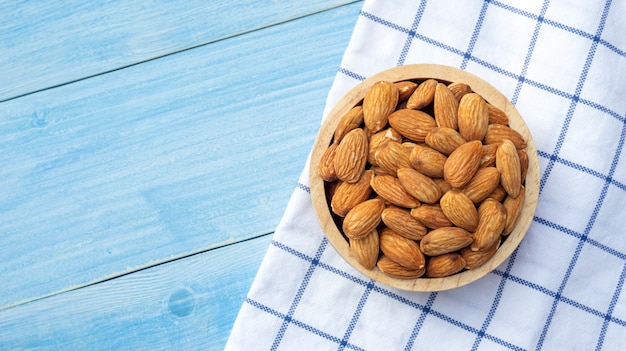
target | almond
[
  {"x": 475, "y": 259},
  {"x": 459, "y": 89},
  {"x": 523, "y": 163},
  {"x": 366, "y": 250},
  {"x": 428, "y": 161},
  {"x": 421, "y": 187},
  {"x": 405, "y": 89},
  {"x": 444, "y": 240},
  {"x": 462, "y": 163},
  {"x": 392, "y": 155},
  {"x": 497, "y": 194},
  {"x": 431, "y": 216},
  {"x": 412, "y": 124},
  {"x": 488, "y": 156},
  {"x": 402, "y": 223},
  {"x": 347, "y": 195},
  {"x": 423, "y": 94},
  {"x": 443, "y": 185},
  {"x": 404, "y": 251},
  {"x": 379, "y": 138},
  {"x": 459, "y": 209},
  {"x": 482, "y": 184},
  {"x": 389, "y": 188},
  {"x": 379, "y": 102},
  {"x": 445, "y": 107},
  {"x": 444, "y": 140},
  {"x": 496, "y": 133},
  {"x": 444, "y": 265},
  {"x": 363, "y": 218},
  {"x": 326, "y": 167},
  {"x": 507, "y": 162},
  {"x": 395, "y": 270},
  {"x": 497, "y": 116},
  {"x": 513, "y": 207},
  {"x": 352, "y": 119},
  {"x": 491, "y": 221},
  {"x": 351, "y": 156},
  {"x": 473, "y": 117}
]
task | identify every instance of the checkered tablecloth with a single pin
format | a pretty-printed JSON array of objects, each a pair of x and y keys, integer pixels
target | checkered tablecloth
[{"x": 563, "y": 65}]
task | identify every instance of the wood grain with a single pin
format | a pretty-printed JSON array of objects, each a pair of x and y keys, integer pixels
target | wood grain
[
  {"x": 421, "y": 72},
  {"x": 160, "y": 160},
  {"x": 188, "y": 304},
  {"x": 48, "y": 43}
]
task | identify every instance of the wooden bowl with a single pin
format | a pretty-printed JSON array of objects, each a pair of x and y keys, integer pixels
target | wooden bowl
[{"x": 419, "y": 72}]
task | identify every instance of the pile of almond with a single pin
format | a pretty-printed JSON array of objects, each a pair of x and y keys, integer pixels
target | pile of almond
[{"x": 424, "y": 178}]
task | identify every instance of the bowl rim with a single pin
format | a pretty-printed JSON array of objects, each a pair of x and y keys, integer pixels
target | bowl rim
[{"x": 421, "y": 72}]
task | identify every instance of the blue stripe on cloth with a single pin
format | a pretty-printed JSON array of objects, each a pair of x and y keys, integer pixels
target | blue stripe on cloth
[
  {"x": 420, "y": 321},
  {"x": 411, "y": 33},
  {"x": 304, "y": 187},
  {"x": 303, "y": 285},
  {"x": 298, "y": 323},
  {"x": 356, "y": 315},
  {"x": 609, "y": 312},
  {"x": 529, "y": 54},
  {"x": 479, "y": 23}
]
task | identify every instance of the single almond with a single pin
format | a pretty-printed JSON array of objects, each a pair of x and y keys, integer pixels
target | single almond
[
  {"x": 412, "y": 124},
  {"x": 379, "y": 138},
  {"x": 389, "y": 188},
  {"x": 404, "y": 251},
  {"x": 395, "y": 270},
  {"x": 462, "y": 163},
  {"x": 431, "y": 216},
  {"x": 523, "y": 163},
  {"x": 482, "y": 184},
  {"x": 428, "y": 161},
  {"x": 443, "y": 185},
  {"x": 444, "y": 265},
  {"x": 507, "y": 162},
  {"x": 496, "y": 133},
  {"x": 459, "y": 89},
  {"x": 444, "y": 240},
  {"x": 491, "y": 221},
  {"x": 405, "y": 89},
  {"x": 445, "y": 107},
  {"x": 420, "y": 186},
  {"x": 497, "y": 116},
  {"x": 459, "y": 209},
  {"x": 347, "y": 195},
  {"x": 363, "y": 218},
  {"x": 379, "y": 102},
  {"x": 326, "y": 167},
  {"x": 473, "y": 117},
  {"x": 366, "y": 249},
  {"x": 351, "y": 156},
  {"x": 402, "y": 223},
  {"x": 513, "y": 207},
  {"x": 488, "y": 157},
  {"x": 423, "y": 94},
  {"x": 497, "y": 194},
  {"x": 392, "y": 155},
  {"x": 475, "y": 259},
  {"x": 352, "y": 119},
  {"x": 444, "y": 140}
]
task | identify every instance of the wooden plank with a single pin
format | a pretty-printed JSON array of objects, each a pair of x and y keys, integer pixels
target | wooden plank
[
  {"x": 163, "y": 159},
  {"x": 48, "y": 43},
  {"x": 188, "y": 304}
]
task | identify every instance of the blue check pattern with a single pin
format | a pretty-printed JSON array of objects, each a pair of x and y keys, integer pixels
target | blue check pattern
[{"x": 563, "y": 65}]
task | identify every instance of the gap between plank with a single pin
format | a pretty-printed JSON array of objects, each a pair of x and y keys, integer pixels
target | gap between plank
[
  {"x": 135, "y": 270},
  {"x": 272, "y": 24}
]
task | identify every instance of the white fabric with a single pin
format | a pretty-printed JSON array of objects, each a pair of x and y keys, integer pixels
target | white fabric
[{"x": 563, "y": 64}]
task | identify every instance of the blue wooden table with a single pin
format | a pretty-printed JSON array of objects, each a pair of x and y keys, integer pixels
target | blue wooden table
[{"x": 147, "y": 153}]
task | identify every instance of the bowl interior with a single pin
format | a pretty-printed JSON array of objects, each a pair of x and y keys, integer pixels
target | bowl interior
[{"x": 422, "y": 72}]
